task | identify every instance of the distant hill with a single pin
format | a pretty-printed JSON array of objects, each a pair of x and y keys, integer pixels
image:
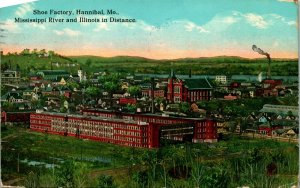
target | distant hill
[{"x": 202, "y": 65}]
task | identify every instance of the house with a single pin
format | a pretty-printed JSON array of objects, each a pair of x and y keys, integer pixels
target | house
[
  {"x": 16, "y": 117},
  {"x": 11, "y": 77},
  {"x": 222, "y": 79},
  {"x": 281, "y": 109},
  {"x": 158, "y": 93},
  {"x": 13, "y": 97},
  {"x": 52, "y": 74},
  {"x": 263, "y": 119},
  {"x": 59, "y": 81},
  {"x": 127, "y": 101},
  {"x": 231, "y": 97},
  {"x": 73, "y": 79},
  {"x": 268, "y": 129},
  {"x": 65, "y": 91},
  {"x": 188, "y": 90},
  {"x": 270, "y": 88}
]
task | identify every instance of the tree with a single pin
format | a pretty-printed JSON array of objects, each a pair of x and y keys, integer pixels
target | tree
[
  {"x": 131, "y": 108},
  {"x": 51, "y": 53},
  {"x": 81, "y": 175},
  {"x": 216, "y": 177},
  {"x": 134, "y": 91},
  {"x": 34, "y": 52},
  {"x": 25, "y": 52},
  {"x": 110, "y": 78},
  {"x": 232, "y": 125},
  {"x": 18, "y": 67},
  {"x": 184, "y": 107},
  {"x": 73, "y": 85},
  {"x": 92, "y": 91},
  {"x": 42, "y": 52},
  {"x": 64, "y": 177},
  {"x": 88, "y": 62},
  {"x": 140, "y": 178},
  {"x": 8, "y": 106},
  {"x": 105, "y": 181},
  {"x": 111, "y": 84},
  {"x": 4, "y": 66},
  {"x": 32, "y": 180}
]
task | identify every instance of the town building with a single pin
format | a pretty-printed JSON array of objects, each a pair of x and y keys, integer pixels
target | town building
[
  {"x": 21, "y": 117},
  {"x": 270, "y": 88},
  {"x": 188, "y": 90},
  {"x": 10, "y": 77},
  {"x": 280, "y": 109},
  {"x": 53, "y": 75},
  {"x": 222, "y": 79},
  {"x": 158, "y": 93},
  {"x": 135, "y": 130}
]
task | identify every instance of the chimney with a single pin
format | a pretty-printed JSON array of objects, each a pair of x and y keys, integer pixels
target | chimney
[
  {"x": 152, "y": 95},
  {"x": 269, "y": 66}
]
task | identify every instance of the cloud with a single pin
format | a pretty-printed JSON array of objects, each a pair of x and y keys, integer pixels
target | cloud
[
  {"x": 39, "y": 26},
  {"x": 24, "y": 9},
  {"x": 14, "y": 2},
  {"x": 230, "y": 20},
  {"x": 190, "y": 26},
  {"x": 10, "y": 26},
  {"x": 150, "y": 28},
  {"x": 284, "y": 20},
  {"x": 67, "y": 32},
  {"x": 288, "y": 1},
  {"x": 102, "y": 26},
  {"x": 256, "y": 20},
  {"x": 275, "y": 44},
  {"x": 291, "y": 23}
]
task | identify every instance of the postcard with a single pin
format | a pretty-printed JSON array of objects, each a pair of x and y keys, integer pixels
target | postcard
[{"x": 140, "y": 93}]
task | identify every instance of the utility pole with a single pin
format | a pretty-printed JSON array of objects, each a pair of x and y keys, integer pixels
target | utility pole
[{"x": 18, "y": 162}]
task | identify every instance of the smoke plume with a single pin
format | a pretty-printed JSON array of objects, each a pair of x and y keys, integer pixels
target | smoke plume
[{"x": 260, "y": 51}]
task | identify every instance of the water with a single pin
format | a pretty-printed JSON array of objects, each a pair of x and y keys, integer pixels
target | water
[
  {"x": 94, "y": 159},
  {"x": 233, "y": 77},
  {"x": 38, "y": 163}
]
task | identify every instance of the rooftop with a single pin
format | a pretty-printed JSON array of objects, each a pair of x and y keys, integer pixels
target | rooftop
[
  {"x": 94, "y": 118},
  {"x": 201, "y": 83}
]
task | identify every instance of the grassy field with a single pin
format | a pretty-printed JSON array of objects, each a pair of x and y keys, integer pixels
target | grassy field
[
  {"x": 40, "y": 147},
  {"x": 125, "y": 64},
  {"x": 125, "y": 164}
]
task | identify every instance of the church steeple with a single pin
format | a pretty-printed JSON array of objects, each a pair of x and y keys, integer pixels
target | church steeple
[{"x": 172, "y": 74}]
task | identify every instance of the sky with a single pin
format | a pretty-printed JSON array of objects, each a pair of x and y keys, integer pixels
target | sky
[{"x": 168, "y": 29}]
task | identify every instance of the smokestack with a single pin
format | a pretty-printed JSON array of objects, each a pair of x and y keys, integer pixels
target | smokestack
[
  {"x": 152, "y": 95},
  {"x": 261, "y": 52}
]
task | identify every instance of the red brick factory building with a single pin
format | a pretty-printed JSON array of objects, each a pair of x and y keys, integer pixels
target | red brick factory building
[{"x": 135, "y": 130}]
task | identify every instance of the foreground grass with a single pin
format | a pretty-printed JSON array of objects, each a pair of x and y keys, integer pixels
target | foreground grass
[
  {"x": 42, "y": 147},
  {"x": 236, "y": 161}
]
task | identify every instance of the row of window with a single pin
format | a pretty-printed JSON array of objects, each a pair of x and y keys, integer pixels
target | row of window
[
  {"x": 47, "y": 117},
  {"x": 45, "y": 122},
  {"x": 99, "y": 114}
]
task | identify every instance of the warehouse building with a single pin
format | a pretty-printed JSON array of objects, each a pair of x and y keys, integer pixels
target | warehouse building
[{"x": 135, "y": 130}]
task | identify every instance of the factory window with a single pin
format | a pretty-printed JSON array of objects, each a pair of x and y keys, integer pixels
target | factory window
[
  {"x": 177, "y": 89},
  {"x": 176, "y": 99}
]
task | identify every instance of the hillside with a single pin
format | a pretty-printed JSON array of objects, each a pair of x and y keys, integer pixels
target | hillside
[
  {"x": 202, "y": 65},
  {"x": 27, "y": 63}
]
